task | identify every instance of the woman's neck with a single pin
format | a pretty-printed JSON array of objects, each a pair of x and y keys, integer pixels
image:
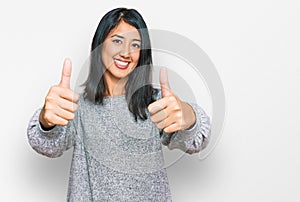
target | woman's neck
[{"x": 115, "y": 86}]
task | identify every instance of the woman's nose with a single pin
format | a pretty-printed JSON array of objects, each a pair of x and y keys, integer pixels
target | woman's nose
[{"x": 125, "y": 52}]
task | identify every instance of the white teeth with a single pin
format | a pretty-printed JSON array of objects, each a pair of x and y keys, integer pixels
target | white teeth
[{"x": 121, "y": 63}]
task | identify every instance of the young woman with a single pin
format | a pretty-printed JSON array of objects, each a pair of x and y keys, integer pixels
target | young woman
[{"x": 117, "y": 125}]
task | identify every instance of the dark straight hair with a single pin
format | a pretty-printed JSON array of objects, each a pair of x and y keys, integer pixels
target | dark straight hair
[{"x": 139, "y": 91}]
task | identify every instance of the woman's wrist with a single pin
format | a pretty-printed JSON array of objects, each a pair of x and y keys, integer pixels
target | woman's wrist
[
  {"x": 43, "y": 122},
  {"x": 189, "y": 116}
]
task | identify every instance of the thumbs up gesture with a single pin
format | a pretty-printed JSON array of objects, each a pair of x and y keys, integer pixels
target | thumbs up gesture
[
  {"x": 170, "y": 113},
  {"x": 61, "y": 102}
]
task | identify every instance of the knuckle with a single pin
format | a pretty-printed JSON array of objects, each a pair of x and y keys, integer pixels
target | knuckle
[
  {"x": 49, "y": 99},
  {"x": 74, "y": 107},
  {"x": 54, "y": 89},
  {"x": 64, "y": 122},
  {"x": 162, "y": 124},
  {"x": 155, "y": 107},
  {"x": 151, "y": 119},
  {"x": 69, "y": 93},
  {"x": 48, "y": 116},
  {"x": 76, "y": 97},
  {"x": 72, "y": 116},
  {"x": 149, "y": 108},
  {"x": 48, "y": 107},
  {"x": 177, "y": 107},
  {"x": 159, "y": 126},
  {"x": 165, "y": 112},
  {"x": 178, "y": 115},
  {"x": 172, "y": 99}
]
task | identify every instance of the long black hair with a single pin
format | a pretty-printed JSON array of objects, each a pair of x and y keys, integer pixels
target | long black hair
[{"x": 139, "y": 91}]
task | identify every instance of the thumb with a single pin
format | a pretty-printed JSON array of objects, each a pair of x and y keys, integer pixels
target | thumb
[
  {"x": 164, "y": 82},
  {"x": 66, "y": 74}
]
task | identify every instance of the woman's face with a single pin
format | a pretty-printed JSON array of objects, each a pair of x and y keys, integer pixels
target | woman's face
[{"x": 121, "y": 51}]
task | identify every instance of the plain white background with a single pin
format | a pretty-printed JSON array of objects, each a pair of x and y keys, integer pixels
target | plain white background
[{"x": 255, "y": 48}]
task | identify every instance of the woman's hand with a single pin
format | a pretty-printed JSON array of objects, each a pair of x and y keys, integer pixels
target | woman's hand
[
  {"x": 170, "y": 113},
  {"x": 61, "y": 102}
]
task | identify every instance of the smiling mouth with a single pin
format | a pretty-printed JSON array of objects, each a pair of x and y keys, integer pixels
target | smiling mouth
[{"x": 121, "y": 64}]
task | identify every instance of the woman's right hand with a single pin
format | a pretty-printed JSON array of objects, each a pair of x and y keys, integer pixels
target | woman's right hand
[{"x": 61, "y": 102}]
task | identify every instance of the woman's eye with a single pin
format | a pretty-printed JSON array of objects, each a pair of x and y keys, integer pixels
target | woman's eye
[
  {"x": 118, "y": 41},
  {"x": 135, "y": 45}
]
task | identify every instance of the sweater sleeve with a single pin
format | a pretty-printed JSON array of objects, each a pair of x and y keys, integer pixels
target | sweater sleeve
[
  {"x": 193, "y": 139},
  {"x": 51, "y": 143}
]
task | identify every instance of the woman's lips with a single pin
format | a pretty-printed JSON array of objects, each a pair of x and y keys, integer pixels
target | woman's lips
[{"x": 121, "y": 64}]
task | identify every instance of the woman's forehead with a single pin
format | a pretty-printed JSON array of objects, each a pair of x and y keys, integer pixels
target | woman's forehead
[{"x": 125, "y": 30}]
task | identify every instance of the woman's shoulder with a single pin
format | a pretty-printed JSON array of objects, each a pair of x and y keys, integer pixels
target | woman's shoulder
[{"x": 84, "y": 101}]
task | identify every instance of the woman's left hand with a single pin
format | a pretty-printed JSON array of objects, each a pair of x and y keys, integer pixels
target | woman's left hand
[{"x": 170, "y": 113}]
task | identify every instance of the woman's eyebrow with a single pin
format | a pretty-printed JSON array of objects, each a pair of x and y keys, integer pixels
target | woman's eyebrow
[
  {"x": 136, "y": 40},
  {"x": 116, "y": 35},
  {"x": 122, "y": 37}
]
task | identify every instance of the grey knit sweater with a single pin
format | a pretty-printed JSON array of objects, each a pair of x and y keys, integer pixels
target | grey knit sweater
[{"x": 114, "y": 157}]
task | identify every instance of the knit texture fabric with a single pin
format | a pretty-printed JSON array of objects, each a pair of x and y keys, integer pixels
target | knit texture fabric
[{"x": 114, "y": 157}]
